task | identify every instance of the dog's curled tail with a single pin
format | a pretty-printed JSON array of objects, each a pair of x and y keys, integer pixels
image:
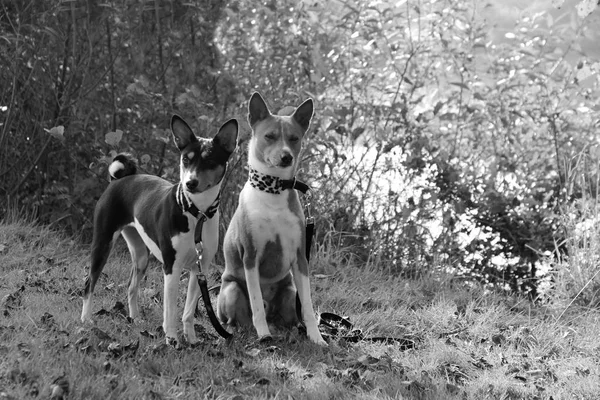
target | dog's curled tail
[{"x": 122, "y": 165}]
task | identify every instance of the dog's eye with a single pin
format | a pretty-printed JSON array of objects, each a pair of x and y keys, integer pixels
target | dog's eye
[
  {"x": 270, "y": 136},
  {"x": 185, "y": 160},
  {"x": 294, "y": 139}
]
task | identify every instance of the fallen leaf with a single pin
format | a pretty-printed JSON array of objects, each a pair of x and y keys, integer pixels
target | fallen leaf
[
  {"x": 102, "y": 311},
  {"x": 47, "y": 319},
  {"x": 481, "y": 363},
  {"x": 253, "y": 352},
  {"x": 59, "y": 388},
  {"x": 12, "y": 301},
  {"x": 118, "y": 350},
  {"x": 452, "y": 389},
  {"x": 100, "y": 334},
  {"x": 582, "y": 372},
  {"x": 263, "y": 381},
  {"x": 283, "y": 372},
  {"x": 152, "y": 395},
  {"x": 147, "y": 334},
  {"x": 119, "y": 309},
  {"x": 498, "y": 339},
  {"x": 367, "y": 359}
]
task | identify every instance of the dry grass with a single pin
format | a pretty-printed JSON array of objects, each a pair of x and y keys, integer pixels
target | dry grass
[{"x": 471, "y": 344}]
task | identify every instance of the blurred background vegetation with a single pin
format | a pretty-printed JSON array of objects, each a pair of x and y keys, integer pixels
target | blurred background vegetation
[{"x": 450, "y": 137}]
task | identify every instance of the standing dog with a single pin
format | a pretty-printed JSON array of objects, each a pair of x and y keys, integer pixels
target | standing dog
[
  {"x": 264, "y": 245},
  {"x": 154, "y": 214}
]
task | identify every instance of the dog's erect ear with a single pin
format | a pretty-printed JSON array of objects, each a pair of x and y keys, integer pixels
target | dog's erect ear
[
  {"x": 182, "y": 133},
  {"x": 303, "y": 114},
  {"x": 226, "y": 138},
  {"x": 257, "y": 109}
]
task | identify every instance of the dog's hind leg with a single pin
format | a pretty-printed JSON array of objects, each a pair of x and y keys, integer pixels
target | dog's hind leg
[
  {"x": 233, "y": 307},
  {"x": 284, "y": 305},
  {"x": 139, "y": 258},
  {"x": 101, "y": 247}
]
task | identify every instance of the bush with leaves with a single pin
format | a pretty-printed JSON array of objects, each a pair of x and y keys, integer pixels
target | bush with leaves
[
  {"x": 432, "y": 146},
  {"x": 83, "y": 80}
]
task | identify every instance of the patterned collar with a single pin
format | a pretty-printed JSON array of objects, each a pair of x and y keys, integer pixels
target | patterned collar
[
  {"x": 186, "y": 204},
  {"x": 273, "y": 184}
]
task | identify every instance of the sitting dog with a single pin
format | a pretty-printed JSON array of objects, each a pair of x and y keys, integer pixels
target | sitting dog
[
  {"x": 264, "y": 246},
  {"x": 154, "y": 214}
]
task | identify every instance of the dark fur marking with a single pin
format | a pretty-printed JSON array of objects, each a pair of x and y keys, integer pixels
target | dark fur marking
[
  {"x": 270, "y": 259},
  {"x": 208, "y": 154},
  {"x": 129, "y": 166}
]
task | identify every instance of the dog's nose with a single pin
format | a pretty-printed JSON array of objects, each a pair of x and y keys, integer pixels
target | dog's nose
[
  {"x": 286, "y": 159},
  {"x": 192, "y": 184}
]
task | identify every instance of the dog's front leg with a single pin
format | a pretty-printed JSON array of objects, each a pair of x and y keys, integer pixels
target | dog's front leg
[
  {"x": 300, "y": 272},
  {"x": 172, "y": 276},
  {"x": 210, "y": 242},
  {"x": 257, "y": 306}
]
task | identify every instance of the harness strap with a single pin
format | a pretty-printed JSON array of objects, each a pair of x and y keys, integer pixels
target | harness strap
[{"x": 188, "y": 206}]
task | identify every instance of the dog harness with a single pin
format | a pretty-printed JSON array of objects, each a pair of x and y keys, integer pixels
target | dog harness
[
  {"x": 188, "y": 206},
  {"x": 274, "y": 184}
]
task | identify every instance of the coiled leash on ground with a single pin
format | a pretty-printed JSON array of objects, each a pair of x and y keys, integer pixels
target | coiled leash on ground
[{"x": 332, "y": 326}]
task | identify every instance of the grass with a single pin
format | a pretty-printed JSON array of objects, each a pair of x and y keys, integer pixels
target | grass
[{"x": 470, "y": 344}]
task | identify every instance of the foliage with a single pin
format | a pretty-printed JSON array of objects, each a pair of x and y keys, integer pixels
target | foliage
[
  {"x": 438, "y": 147},
  {"x": 86, "y": 79},
  {"x": 433, "y": 147},
  {"x": 575, "y": 276}
]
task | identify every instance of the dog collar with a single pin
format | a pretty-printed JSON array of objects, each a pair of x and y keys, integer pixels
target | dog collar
[
  {"x": 187, "y": 205},
  {"x": 273, "y": 184}
]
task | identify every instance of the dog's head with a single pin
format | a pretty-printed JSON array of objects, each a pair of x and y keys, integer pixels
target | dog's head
[
  {"x": 203, "y": 161},
  {"x": 276, "y": 139}
]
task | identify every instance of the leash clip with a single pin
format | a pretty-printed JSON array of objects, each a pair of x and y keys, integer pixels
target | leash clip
[
  {"x": 199, "y": 250},
  {"x": 308, "y": 207}
]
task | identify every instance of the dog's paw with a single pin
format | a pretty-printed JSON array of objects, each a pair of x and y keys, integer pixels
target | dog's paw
[
  {"x": 189, "y": 333},
  {"x": 174, "y": 343},
  {"x": 265, "y": 338},
  {"x": 191, "y": 339},
  {"x": 318, "y": 339}
]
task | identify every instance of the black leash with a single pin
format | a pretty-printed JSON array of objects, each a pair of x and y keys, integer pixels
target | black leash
[
  {"x": 209, "y": 308},
  {"x": 335, "y": 326}
]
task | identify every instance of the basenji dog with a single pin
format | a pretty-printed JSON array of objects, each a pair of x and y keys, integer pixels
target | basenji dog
[
  {"x": 264, "y": 246},
  {"x": 154, "y": 214}
]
